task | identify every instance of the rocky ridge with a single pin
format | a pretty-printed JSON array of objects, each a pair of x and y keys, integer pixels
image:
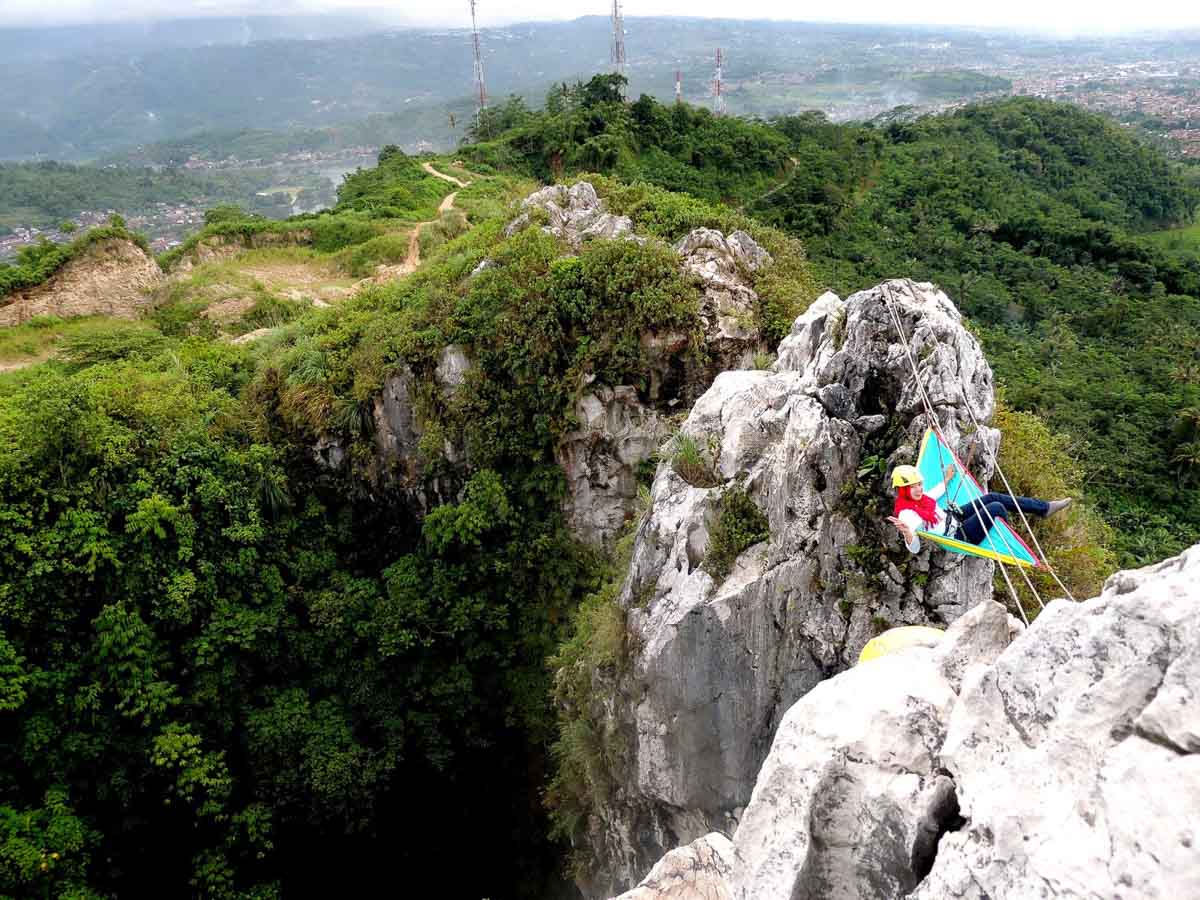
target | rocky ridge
[
  {"x": 1062, "y": 760},
  {"x": 717, "y": 662},
  {"x": 619, "y": 427}
]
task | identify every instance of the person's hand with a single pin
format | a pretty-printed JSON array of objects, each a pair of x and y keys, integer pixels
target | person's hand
[
  {"x": 948, "y": 473},
  {"x": 905, "y": 530}
]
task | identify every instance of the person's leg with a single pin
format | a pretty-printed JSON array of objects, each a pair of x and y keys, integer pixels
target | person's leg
[
  {"x": 979, "y": 518},
  {"x": 1027, "y": 505}
]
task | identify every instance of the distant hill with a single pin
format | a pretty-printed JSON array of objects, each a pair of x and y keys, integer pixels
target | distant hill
[
  {"x": 63, "y": 42},
  {"x": 84, "y": 93}
]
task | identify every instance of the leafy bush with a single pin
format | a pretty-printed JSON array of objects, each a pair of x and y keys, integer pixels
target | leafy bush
[
  {"x": 360, "y": 260},
  {"x": 739, "y": 524},
  {"x": 109, "y": 342},
  {"x": 268, "y": 312},
  {"x": 1077, "y": 542}
]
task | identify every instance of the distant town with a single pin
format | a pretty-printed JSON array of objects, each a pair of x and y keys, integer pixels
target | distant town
[{"x": 304, "y": 182}]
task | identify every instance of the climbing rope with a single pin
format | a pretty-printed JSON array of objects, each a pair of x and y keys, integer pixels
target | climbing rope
[
  {"x": 928, "y": 406},
  {"x": 1029, "y": 528},
  {"x": 1007, "y": 486}
]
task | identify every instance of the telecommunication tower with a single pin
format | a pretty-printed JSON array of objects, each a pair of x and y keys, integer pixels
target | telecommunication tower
[
  {"x": 678, "y": 86},
  {"x": 719, "y": 106},
  {"x": 618, "y": 39},
  {"x": 482, "y": 99}
]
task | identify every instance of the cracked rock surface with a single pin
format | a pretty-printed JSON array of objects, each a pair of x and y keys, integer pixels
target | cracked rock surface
[
  {"x": 1062, "y": 760},
  {"x": 1077, "y": 755},
  {"x": 698, "y": 871},
  {"x": 719, "y": 662}
]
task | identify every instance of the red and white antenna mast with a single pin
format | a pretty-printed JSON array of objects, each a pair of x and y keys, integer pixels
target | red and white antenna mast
[
  {"x": 720, "y": 96},
  {"x": 678, "y": 86},
  {"x": 618, "y": 39},
  {"x": 482, "y": 100}
]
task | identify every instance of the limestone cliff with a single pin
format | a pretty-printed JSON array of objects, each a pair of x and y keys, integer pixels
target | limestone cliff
[
  {"x": 1062, "y": 763},
  {"x": 110, "y": 278},
  {"x": 717, "y": 661}
]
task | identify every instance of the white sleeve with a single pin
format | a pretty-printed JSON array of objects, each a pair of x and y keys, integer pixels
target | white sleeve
[
  {"x": 910, "y": 518},
  {"x": 937, "y": 490}
]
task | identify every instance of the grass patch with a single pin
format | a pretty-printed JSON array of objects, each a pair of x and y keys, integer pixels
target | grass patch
[
  {"x": 450, "y": 225},
  {"x": 1179, "y": 240},
  {"x": 762, "y": 361},
  {"x": 692, "y": 462},
  {"x": 386, "y": 249}
]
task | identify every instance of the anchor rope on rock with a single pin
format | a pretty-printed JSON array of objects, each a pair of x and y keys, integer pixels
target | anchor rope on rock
[{"x": 928, "y": 407}]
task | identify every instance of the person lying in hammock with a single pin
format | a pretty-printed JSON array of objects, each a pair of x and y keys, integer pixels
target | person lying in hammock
[{"x": 917, "y": 509}]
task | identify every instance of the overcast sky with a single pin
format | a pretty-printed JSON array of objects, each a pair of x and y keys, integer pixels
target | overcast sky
[{"x": 1064, "y": 16}]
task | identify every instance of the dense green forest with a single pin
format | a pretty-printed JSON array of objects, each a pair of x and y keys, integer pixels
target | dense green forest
[
  {"x": 589, "y": 127},
  {"x": 227, "y": 669}
]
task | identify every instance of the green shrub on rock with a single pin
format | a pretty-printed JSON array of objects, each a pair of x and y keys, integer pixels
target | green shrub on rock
[{"x": 739, "y": 525}]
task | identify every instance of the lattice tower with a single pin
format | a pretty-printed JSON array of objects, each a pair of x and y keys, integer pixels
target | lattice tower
[
  {"x": 718, "y": 92},
  {"x": 482, "y": 98},
  {"x": 618, "y": 39}
]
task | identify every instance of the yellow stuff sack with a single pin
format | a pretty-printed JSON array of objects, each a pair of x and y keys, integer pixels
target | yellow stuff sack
[{"x": 896, "y": 639}]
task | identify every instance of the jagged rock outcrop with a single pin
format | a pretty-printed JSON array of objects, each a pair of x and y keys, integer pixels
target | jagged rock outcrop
[
  {"x": 718, "y": 663},
  {"x": 728, "y": 306},
  {"x": 852, "y": 799},
  {"x": 699, "y": 871},
  {"x": 1065, "y": 763},
  {"x": 620, "y": 427},
  {"x": 617, "y": 433},
  {"x": 110, "y": 278},
  {"x": 398, "y": 430},
  {"x": 574, "y": 214},
  {"x": 1076, "y": 756}
]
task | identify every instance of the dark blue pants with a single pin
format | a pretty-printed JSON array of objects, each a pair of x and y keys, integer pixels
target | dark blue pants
[{"x": 978, "y": 514}]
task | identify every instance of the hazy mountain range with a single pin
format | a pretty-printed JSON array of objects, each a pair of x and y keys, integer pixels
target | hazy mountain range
[{"x": 85, "y": 92}]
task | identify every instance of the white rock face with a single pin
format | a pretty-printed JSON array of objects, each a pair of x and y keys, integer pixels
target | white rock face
[
  {"x": 728, "y": 305},
  {"x": 1077, "y": 755},
  {"x": 852, "y": 798},
  {"x": 720, "y": 663},
  {"x": 600, "y": 458},
  {"x": 575, "y": 214},
  {"x": 1065, "y": 763},
  {"x": 397, "y": 428},
  {"x": 452, "y": 368},
  {"x": 698, "y": 871}
]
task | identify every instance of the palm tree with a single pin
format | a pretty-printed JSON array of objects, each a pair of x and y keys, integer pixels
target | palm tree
[{"x": 1187, "y": 460}]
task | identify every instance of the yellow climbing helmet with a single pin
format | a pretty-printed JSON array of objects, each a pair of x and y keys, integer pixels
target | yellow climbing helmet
[{"x": 903, "y": 476}]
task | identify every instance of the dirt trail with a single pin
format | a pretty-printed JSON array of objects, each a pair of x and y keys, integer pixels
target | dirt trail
[
  {"x": 384, "y": 274},
  {"x": 428, "y": 167}
]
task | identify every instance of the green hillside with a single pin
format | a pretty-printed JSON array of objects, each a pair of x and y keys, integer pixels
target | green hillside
[{"x": 244, "y": 673}]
